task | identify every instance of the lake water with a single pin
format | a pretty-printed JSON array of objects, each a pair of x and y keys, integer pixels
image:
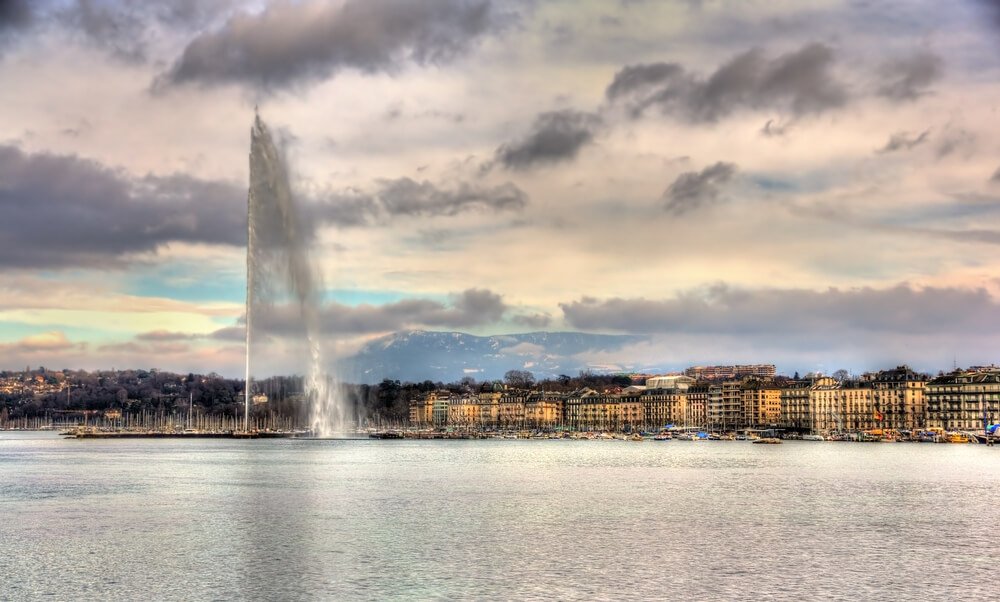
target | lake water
[{"x": 568, "y": 520}]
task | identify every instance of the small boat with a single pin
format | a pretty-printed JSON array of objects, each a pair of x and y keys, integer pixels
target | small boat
[
  {"x": 811, "y": 437},
  {"x": 662, "y": 437},
  {"x": 957, "y": 438},
  {"x": 635, "y": 437},
  {"x": 768, "y": 440}
]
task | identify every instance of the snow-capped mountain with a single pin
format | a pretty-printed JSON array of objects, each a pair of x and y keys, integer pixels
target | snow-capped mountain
[{"x": 420, "y": 355}]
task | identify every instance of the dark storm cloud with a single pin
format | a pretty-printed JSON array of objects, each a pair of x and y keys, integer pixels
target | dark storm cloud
[
  {"x": 909, "y": 78},
  {"x": 295, "y": 43},
  {"x": 725, "y": 310},
  {"x": 693, "y": 189},
  {"x": 903, "y": 141},
  {"x": 801, "y": 82},
  {"x": 470, "y": 308},
  {"x": 62, "y": 211},
  {"x": 555, "y": 136}
]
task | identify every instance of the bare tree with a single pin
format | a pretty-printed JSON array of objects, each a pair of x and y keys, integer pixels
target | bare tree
[{"x": 519, "y": 379}]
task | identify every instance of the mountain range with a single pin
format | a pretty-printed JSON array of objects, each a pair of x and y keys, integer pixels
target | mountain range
[{"x": 420, "y": 355}]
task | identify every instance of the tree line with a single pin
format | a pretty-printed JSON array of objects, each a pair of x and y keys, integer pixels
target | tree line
[{"x": 155, "y": 391}]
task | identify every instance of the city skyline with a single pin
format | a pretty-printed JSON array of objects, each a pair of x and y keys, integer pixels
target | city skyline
[{"x": 810, "y": 185}]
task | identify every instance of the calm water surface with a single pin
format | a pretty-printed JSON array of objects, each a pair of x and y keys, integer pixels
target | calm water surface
[{"x": 570, "y": 520}]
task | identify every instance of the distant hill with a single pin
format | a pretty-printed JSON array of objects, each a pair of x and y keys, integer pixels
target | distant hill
[{"x": 420, "y": 355}]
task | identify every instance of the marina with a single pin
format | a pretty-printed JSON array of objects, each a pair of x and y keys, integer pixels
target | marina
[{"x": 758, "y": 436}]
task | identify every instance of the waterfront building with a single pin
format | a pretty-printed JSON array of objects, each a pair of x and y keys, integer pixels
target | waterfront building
[
  {"x": 663, "y": 407},
  {"x": 511, "y": 409},
  {"x": 725, "y": 404},
  {"x": 489, "y": 404},
  {"x": 760, "y": 403},
  {"x": 439, "y": 401},
  {"x": 463, "y": 411},
  {"x": 544, "y": 410},
  {"x": 422, "y": 411},
  {"x": 696, "y": 412},
  {"x": 631, "y": 408},
  {"x": 665, "y": 401},
  {"x": 900, "y": 399},
  {"x": 857, "y": 407},
  {"x": 587, "y": 409},
  {"x": 825, "y": 412},
  {"x": 963, "y": 400},
  {"x": 795, "y": 406},
  {"x": 713, "y": 406}
]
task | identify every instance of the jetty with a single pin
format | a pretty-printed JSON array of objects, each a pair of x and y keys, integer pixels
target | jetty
[{"x": 99, "y": 434}]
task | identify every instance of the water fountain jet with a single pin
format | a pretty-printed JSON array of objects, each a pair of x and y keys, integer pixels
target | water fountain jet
[{"x": 277, "y": 254}]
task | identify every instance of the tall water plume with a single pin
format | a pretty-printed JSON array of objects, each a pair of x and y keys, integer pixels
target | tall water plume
[{"x": 281, "y": 274}]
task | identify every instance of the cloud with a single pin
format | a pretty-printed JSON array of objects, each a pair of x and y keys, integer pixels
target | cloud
[
  {"x": 692, "y": 190},
  {"x": 993, "y": 9},
  {"x": 773, "y": 129},
  {"x": 995, "y": 178},
  {"x": 152, "y": 349},
  {"x": 393, "y": 197},
  {"x": 165, "y": 335},
  {"x": 903, "y": 141},
  {"x": 470, "y": 308},
  {"x": 65, "y": 211},
  {"x": 293, "y": 43},
  {"x": 536, "y": 321},
  {"x": 41, "y": 343},
  {"x": 110, "y": 26},
  {"x": 125, "y": 29},
  {"x": 61, "y": 211},
  {"x": 555, "y": 136},
  {"x": 15, "y": 14},
  {"x": 956, "y": 140},
  {"x": 899, "y": 310},
  {"x": 229, "y": 333},
  {"x": 908, "y": 78},
  {"x": 403, "y": 196},
  {"x": 800, "y": 82}
]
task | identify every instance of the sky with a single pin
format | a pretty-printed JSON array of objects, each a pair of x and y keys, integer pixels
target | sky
[{"x": 815, "y": 185}]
